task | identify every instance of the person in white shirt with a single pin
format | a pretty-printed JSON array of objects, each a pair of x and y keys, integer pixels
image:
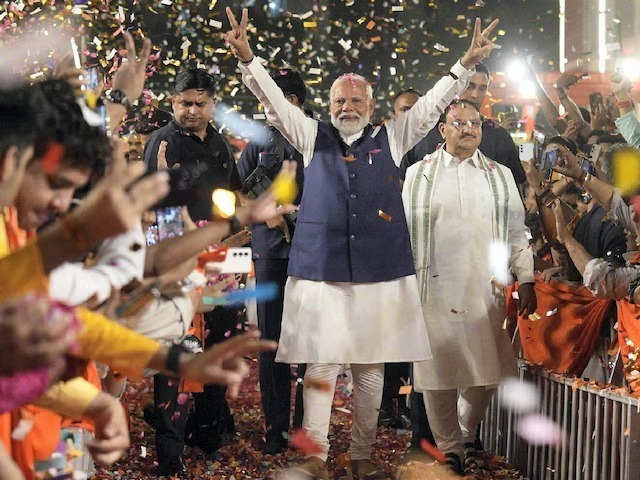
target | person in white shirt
[
  {"x": 351, "y": 296},
  {"x": 467, "y": 232}
]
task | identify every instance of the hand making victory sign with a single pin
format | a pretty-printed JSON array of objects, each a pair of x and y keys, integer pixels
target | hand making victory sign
[
  {"x": 481, "y": 46},
  {"x": 237, "y": 36}
]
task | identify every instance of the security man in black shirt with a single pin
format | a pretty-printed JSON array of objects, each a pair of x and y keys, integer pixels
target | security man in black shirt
[{"x": 193, "y": 142}]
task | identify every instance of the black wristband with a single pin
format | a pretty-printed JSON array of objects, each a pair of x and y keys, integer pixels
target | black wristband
[
  {"x": 453, "y": 75},
  {"x": 234, "y": 225},
  {"x": 173, "y": 358}
]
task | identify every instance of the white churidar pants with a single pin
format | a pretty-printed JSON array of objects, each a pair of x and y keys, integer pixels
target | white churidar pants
[
  {"x": 367, "y": 396},
  {"x": 454, "y": 416}
]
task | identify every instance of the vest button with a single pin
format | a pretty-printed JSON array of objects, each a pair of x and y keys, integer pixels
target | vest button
[
  {"x": 352, "y": 237},
  {"x": 352, "y": 175},
  {"x": 354, "y": 215},
  {"x": 353, "y": 195}
]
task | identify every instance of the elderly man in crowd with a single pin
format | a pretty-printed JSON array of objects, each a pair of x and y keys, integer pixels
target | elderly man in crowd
[
  {"x": 351, "y": 296},
  {"x": 464, "y": 213}
]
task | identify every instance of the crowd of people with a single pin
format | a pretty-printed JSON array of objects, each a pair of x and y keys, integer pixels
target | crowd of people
[{"x": 393, "y": 249}]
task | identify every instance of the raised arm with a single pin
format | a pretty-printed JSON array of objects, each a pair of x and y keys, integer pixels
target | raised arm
[
  {"x": 291, "y": 121},
  {"x": 416, "y": 123}
]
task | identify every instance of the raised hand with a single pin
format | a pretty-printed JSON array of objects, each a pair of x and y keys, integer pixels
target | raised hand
[
  {"x": 117, "y": 202},
  {"x": 131, "y": 75},
  {"x": 237, "y": 36},
  {"x": 224, "y": 363},
  {"x": 481, "y": 46}
]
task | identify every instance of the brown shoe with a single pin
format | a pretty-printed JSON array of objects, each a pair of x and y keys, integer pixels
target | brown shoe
[
  {"x": 312, "y": 468},
  {"x": 367, "y": 470}
]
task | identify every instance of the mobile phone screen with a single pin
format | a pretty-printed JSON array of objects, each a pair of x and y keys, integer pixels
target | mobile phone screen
[
  {"x": 550, "y": 159},
  {"x": 169, "y": 222}
]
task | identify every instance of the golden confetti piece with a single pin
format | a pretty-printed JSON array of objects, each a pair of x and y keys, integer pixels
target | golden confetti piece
[
  {"x": 370, "y": 25},
  {"x": 534, "y": 317},
  {"x": 350, "y": 158},
  {"x": 384, "y": 216},
  {"x": 310, "y": 24},
  {"x": 459, "y": 312}
]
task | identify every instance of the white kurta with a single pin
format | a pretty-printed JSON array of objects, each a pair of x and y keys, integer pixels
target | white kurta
[
  {"x": 335, "y": 322},
  {"x": 463, "y": 310}
]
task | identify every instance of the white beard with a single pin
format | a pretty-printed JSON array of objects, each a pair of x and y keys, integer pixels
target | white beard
[{"x": 350, "y": 127}]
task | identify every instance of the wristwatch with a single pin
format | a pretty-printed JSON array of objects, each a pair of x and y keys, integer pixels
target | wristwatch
[{"x": 118, "y": 96}]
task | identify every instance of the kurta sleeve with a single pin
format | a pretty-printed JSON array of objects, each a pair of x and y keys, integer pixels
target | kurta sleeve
[
  {"x": 521, "y": 262},
  {"x": 606, "y": 281},
  {"x": 415, "y": 124},
  {"x": 300, "y": 130},
  {"x": 117, "y": 263},
  {"x": 105, "y": 341},
  {"x": 629, "y": 127},
  {"x": 69, "y": 399}
]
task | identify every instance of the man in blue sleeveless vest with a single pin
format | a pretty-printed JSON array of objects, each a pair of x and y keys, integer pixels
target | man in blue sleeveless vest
[
  {"x": 271, "y": 243},
  {"x": 351, "y": 296}
]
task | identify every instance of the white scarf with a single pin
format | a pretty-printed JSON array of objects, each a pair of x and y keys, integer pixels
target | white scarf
[{"x": 422, "y": 194}]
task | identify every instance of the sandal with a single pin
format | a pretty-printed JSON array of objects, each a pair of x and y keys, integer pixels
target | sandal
[
  {"x": 454, "y": 463},
  {"x": 474, "y": 459},
  {"x": 311, "y": 469}
]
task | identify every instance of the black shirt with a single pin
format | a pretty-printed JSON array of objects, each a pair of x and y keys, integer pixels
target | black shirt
[
  {"x": 496, "y": 144},
  {"x": 185, "y": 148},
  {"x": 268, "y": 242},
  {"x": 601, "y": 238}
]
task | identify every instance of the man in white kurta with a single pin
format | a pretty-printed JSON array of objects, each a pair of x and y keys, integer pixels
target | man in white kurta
[
  {"x": 466, "y": 222},
  {"x": 350, "y": 297}
]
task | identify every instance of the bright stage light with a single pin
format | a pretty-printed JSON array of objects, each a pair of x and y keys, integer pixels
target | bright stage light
[
  {"x": 516, "y": 70},
  {"x": 630, "y": 68}
]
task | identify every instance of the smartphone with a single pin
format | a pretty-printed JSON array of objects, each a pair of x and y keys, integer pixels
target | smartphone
[
  {"x": 587, "y": 166},
  {"x": 526, "y": 151},
  {"x": 550, "y": 159},
  {"x": 594, "y": 154},
  {"x": 595, "y": 101},
  {"x": 189, "y": 182},
  {"x": 169, "y": 222},
  {"x": 233, "y": 260}
]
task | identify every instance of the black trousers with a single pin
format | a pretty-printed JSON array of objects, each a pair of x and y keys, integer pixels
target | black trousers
[
  {"x": 420, "y": 428},
  {"x": 275, "y": 378},
  {"x": 170, "y": 417},
  {"x": 211, "y": 417},
  {"x": 393, "y": 373}
]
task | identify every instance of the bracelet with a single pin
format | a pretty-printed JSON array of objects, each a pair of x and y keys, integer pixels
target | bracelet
[
  {"x": 173, "y": 358},
  {"x": 75, "y": 231},
  {"x": 624, "y": 103},
  {"x": 247, "y": 63}
]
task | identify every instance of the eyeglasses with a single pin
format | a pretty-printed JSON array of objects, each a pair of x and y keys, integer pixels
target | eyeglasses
[{"x": 458, "y": 124}]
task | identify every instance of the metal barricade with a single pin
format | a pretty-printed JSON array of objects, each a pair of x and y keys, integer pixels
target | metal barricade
[{"x": 601, "y": 426}]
